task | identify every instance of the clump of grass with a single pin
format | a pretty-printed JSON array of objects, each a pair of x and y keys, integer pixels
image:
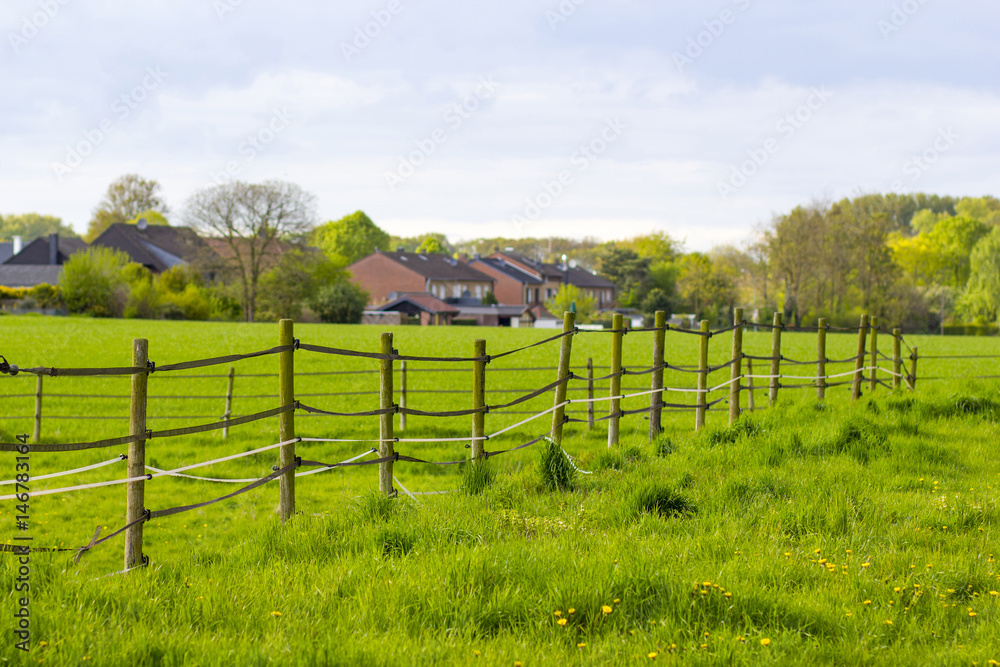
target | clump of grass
[
  {"x": 745, "y": 428},
  {"x": 505, "y": 496},
  {"x": 613, "y": 459},
  {"x": 555, "y": 470},
  {"x": 960, "y": 405},
  {"x": 859, "y": 438},
  {"x": 663, "y": 445},
  {"x": 374, "y": 507},
  {"x": 477, "y": 476},
  {"x": 657, "y": 498},
  {"x": 394, "y": 542}
]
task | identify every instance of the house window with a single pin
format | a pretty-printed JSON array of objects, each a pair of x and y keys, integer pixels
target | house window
[
  {"x": 479, "y": 291},
  {"x": 456, "y": 291}
]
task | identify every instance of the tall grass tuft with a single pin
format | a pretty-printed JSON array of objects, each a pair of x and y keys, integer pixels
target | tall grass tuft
[
  {"x": 555, "y": 470},
  {"x": 663, "y": 445},
  {"x": 859, "y": 438},
  {"x": 658, "y": 499},
  {"x": 746, "y": 427},
  {"x": 614, "y": 459},
  {"x": 477, "y": 476},
  {"x": 375, "y": 507}
]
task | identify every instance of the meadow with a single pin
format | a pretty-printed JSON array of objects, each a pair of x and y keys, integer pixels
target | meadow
[{"x": 810, "y": 533}]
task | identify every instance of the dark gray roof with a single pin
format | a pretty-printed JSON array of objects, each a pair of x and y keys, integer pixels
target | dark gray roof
[
  {"x": 6, "y": 250},
  {"x": 29, "y": 275},
  {"x": 157, "y": 247},
  {"x": 437, "y": 266},
  {"x": 37, "y": 252},
  {"x": 548, "y": 270},
  {"x": 413, "y": 302},
  {"x": 508, "y": 269},
  {"x": 582, "y": 278}
]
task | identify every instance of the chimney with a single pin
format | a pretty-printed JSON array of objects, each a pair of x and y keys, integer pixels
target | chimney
[
  {"x": 53, "y": 249},
  {"x": 17, "y": 244}
]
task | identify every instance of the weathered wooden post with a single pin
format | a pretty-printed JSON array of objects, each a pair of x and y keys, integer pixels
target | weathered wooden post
[
  {"x": 897, "y": 359},
  {"x": 859, "y": 362},
  {"x": 656, "y": 398},
  {"x": 821, "y": 364},
  {"x": 385, "y": 445},
  {"x": 751, "y": 406},
  {"x": 135, "y": 492},
  {"x": 736, "y": 369},
  {"x": 38, "y": 409},
  {"x": 913, "y": 369},
  {"x": 590, "y": 394},
  {"x": 478, "y": 398},
  {"x": 775, "y": 360},
  {"x": 565, "y": 350},
  {"x": 873, "y": 381},
  {"x": 699, "y": 412},
  {"x": 617, "y": 325},
  {"x": 229, "y": 401},
  {"x": 402, "y": 395},
  {"x": 286, "y": 420}
]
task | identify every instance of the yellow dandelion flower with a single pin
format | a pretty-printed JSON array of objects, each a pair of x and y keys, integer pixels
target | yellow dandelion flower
[
  {"x": 562, "y": 621},
  {"x": 581, "y": 645},
  {"x": 848, "y": 614},
  {"x": 896, "y": 589},
  {"x": 651, "y": 655},
  {"x": 606, "y": 609},
  {"x": 517, "y": 663},
  {"x": 707, "y": 584},
  {"x": 817, "y": 551},
  {"x": 868, "y": 602},
  {"x": 476, "y": 653},
  {"x": 557, "y": 613},
  {"x": 888, "y": 622},
  {"x": 972, "y": 614},
  {"x": 865, "y": 564},
  {"x": 740, "y": 639},
  {"x": 765, "y": 642},
  {"x": 572, "y": 610},
  {"x": 728, "y": 594},
  {"x": 43, "y": 644},
  {"x": 787, "y": 554},
  {"x": 275, "y": 613},
  {"x": 994, "y": 593},
  {"x": 617, "y": 600},
  {"x": 704, "y": 645}
]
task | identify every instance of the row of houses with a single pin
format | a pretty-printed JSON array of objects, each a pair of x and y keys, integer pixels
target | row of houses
[
  {"x": 434, "y": 288},
  {"x": 440, "y": 289}
]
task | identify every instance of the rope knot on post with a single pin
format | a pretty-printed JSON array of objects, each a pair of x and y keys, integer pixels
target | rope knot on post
[{"x": 150, "y": 366}]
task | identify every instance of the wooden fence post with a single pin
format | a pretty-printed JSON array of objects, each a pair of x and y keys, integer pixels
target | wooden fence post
[
  {"x": 913, "y": 369},
  {"x": 286, "y": 420},
  {"x": 565, "y": 350},
  {"x": 859, "y": 362},
  {"x": 229, "y": 401},
  {"x": 385, "y": 445},
  {"x": 750, "y": 399},
  {"x": 656, "y": 398},
  {"x": 775, "y": 360},
  {"x": 590, "y": 394},
  {"x": 402, "y": 395},
  {"x": 617, "y": 326},
  {"x": 699, "y": 411},
  {"x": 873, "y": 381},
  {"x": 821, "y": 364},
  {"x": 736, "y": 370},
  {"x": 478, "y": 399},
  {"x": 38, "y": 409},
  {"x": 135, "y": 492},
  {"x": 897, "y": 359}
]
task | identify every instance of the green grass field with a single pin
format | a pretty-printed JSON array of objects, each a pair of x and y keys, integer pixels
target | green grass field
[{"x": 828, "y": 532}]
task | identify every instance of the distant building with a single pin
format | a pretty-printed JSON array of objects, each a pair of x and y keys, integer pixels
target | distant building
[
  {"x": 430, "y": 309},
  {"x": 39, "y": 262},
  {"x": 157, "y": 247},
  {"x": 540, "y": 281},
  {"x": 438, "y": 275}
]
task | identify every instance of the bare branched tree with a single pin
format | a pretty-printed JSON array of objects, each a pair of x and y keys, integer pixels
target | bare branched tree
[{"x": 251, "y": 220}]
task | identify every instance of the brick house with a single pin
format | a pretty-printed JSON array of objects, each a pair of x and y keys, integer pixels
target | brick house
[
  {"x": 532, "y": 282},
  {"x": 382, "y": 273}
]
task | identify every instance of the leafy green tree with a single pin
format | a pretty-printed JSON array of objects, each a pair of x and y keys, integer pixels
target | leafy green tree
[
  {"x": 981, "y": 300},
  {"x": 985, "y": 209},
  {"x": 351, "y": 238},
  {"x": 952, "y": 241},
  {"x": 629, "y": 272},
  {"x": 566, "y": 297},
  {"x": 30, "y": 226},
  {"x": 285, "y": 289},
  {"x": 490, "y": 299},
  {"x": 341, "y": 302},
  {"x": 93, "y": 282},
  {"x": 431, "y": 245},
  {"x": 125, "y": 199},
  {"x": 412, "y": 243},
  {"x": 656, "y": 300}
]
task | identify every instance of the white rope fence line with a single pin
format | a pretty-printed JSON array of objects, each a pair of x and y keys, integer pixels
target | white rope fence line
[
  {"x": 405, "y": 490},
  {"x": 225, "y": 458},
  {"x": 32, "y": 494},
  {"x": 325, "y": 468},
  {"x": 820, "y": 377},
  {"x": 34, "y": 478}
]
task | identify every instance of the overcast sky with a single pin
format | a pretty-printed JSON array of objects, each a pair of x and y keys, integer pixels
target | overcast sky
[{"x": 605, "y": 118}]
